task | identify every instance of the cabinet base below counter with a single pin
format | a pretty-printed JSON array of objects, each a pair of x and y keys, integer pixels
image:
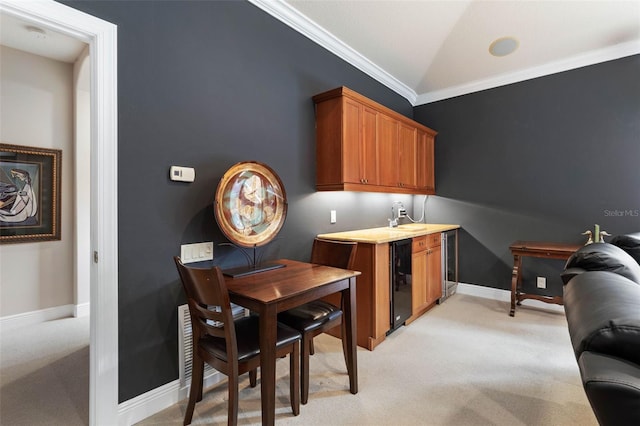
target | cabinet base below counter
[
  {"x": 372, "y": 295},
  {"x": 373, "y": 286},
  {"x": 419, "y": 313}
]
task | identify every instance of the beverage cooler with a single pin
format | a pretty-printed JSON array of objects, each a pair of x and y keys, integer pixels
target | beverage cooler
[
  {"x": 449, "y": 264},
  {"x": 400, "y": 282}
]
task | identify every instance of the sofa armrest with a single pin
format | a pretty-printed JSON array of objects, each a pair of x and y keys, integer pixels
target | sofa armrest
[
  {"x": 603, "y": 314},
  {"x": 629, "y": 243},
  {"x": 605, "y": 257},
  {"x": 612, "y": 386}
]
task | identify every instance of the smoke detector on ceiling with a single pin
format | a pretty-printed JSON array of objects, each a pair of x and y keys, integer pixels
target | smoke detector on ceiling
[
  {"x": 37, "y": 32},
  {"x": 503, "y": 46}
]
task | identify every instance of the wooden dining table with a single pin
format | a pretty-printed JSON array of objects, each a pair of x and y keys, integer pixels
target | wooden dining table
[{"x": 269, "y": 292}]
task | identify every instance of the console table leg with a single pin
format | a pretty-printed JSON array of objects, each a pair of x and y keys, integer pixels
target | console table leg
[{"x": 515, "y": 278}]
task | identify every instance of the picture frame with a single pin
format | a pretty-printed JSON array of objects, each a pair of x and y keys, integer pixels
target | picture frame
[
  {"x": 30, "y": 180},
  {"x": 250, "y": 204}
]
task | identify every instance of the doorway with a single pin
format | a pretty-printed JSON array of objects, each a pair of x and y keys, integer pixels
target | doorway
[{"x": 101, "y": 36}]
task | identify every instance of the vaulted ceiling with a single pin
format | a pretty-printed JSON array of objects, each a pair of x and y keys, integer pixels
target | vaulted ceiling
[{"x": 427, "y": 50}]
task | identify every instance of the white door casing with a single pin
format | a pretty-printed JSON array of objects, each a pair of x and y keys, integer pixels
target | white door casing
[{"x": 102, "y": 39}]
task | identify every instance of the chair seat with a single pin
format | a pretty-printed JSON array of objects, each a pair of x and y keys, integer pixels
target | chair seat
[
  {"x": 247, "y": 335},
  {"x": 309, "y": 316}
]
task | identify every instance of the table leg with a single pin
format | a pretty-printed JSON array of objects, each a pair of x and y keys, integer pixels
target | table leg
[
  {"x": 268, "y": 330},
  {"x": 515, "y": 279},
  {"x": 350, "y": 318}
]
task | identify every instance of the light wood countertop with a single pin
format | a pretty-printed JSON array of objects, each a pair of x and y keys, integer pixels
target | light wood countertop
[{"x": 387, "y": 234}]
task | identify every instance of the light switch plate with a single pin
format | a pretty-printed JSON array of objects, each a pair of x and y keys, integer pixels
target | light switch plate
[
  {"x": 197, "y": 252},
  {"x": 333, "y": 216}
]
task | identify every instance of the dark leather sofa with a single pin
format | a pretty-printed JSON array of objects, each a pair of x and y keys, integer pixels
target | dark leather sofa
[{"x": 602, "y": 305}]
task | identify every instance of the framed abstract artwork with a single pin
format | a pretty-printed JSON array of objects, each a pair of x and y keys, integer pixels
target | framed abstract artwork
[
  {"x": 29, "y": 194},
  {"x": 250, "y": 204}
]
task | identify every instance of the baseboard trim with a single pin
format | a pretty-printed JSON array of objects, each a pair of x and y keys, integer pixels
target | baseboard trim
[
  {"x": 82, "y": 310},
  {"x": 158, "y": 399},
  {"x": 503, "y": 296},
  {"x": 486, "y": 292},
  {"x": 11, "y": 322}
]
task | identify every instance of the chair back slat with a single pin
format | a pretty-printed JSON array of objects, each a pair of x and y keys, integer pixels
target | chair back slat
[
  {"x": 209, "y": 304},
  {"x": 339, "y": 254},
  {"x": 210, "y": 319}
]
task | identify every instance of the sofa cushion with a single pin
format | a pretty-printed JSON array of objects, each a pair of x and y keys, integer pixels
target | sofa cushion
[
  {"x": 605, "y": 257},
  {"x": 629, "y": 243},
  {"x": 613, "y": 388},
  {"x": 603, "y": 314}
]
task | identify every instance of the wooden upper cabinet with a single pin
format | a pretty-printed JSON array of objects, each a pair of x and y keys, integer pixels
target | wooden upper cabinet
[
  {"x": 407, "y": 153},
  {"x": 369, "y": 151},
  {"x": 425, "y": 165},
  {"x": 388, "y": 149},
  {"x": 346, "y": 145},
  {"x": 351, "y": 141},
  {"x": 364, "y": 146}
]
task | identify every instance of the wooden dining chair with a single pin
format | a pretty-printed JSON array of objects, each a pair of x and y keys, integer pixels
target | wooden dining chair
[
  {"x": 319, "y": 316},
  {"x": 231, "y": 347}
]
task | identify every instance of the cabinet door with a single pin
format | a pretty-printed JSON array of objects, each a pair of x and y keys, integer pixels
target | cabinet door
[
  {"x": 434, "y": 273},
  {"x": 424, "y": 161},
  {"x": 369, "y": 147},
  {"x": 418, "y": 278},
  {"x": 388, "y": 150},
  {"x": 407, "y": 156},
  {"x": 429, "y": 159},
  {"x": 351, "y": 137}
]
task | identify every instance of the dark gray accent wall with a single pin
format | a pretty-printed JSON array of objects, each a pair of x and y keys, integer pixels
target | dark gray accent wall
[
  {"x": 207, "y": 84},
  {"x": 543, "y": 159}
]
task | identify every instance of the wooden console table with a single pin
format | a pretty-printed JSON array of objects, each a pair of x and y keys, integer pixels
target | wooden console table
[{"x": 548, "y": 250}]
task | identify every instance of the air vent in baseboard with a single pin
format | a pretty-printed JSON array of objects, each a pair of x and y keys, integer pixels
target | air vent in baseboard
[{"x": 185, "y": 344}]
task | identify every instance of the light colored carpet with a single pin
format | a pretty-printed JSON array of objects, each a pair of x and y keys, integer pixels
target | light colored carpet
[
  {"x": 44, "y": 374},
  {"x": 465, "y": 362}
]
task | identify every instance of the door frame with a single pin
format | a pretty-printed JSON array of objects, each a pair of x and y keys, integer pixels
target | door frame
[{"x": 102, "y": 39}]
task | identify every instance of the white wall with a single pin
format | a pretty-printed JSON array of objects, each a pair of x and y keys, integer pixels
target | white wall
[{"x": 36, "y": 109}]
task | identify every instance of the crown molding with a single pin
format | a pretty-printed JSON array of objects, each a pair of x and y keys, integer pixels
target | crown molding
[
  {"x": 603, "y": 55},
  {"x": 294, "y": 19}
]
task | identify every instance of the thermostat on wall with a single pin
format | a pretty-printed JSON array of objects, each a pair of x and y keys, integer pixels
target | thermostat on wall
[{"x": 182, "y": 174}]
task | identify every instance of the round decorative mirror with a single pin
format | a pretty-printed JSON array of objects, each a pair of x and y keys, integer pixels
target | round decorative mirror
[{"x": 250, "y": 204}]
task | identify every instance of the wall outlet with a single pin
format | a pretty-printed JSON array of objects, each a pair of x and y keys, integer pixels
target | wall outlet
[
  {"x": 541, "y": 282},
  {"x": 197, "y": 252},
  {"x": 333, "y": 216}
]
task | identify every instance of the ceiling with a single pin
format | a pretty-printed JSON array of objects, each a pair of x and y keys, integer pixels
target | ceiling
[
  {"x": 427, "y": 50},
  {"x": 21, "y": 35}
]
